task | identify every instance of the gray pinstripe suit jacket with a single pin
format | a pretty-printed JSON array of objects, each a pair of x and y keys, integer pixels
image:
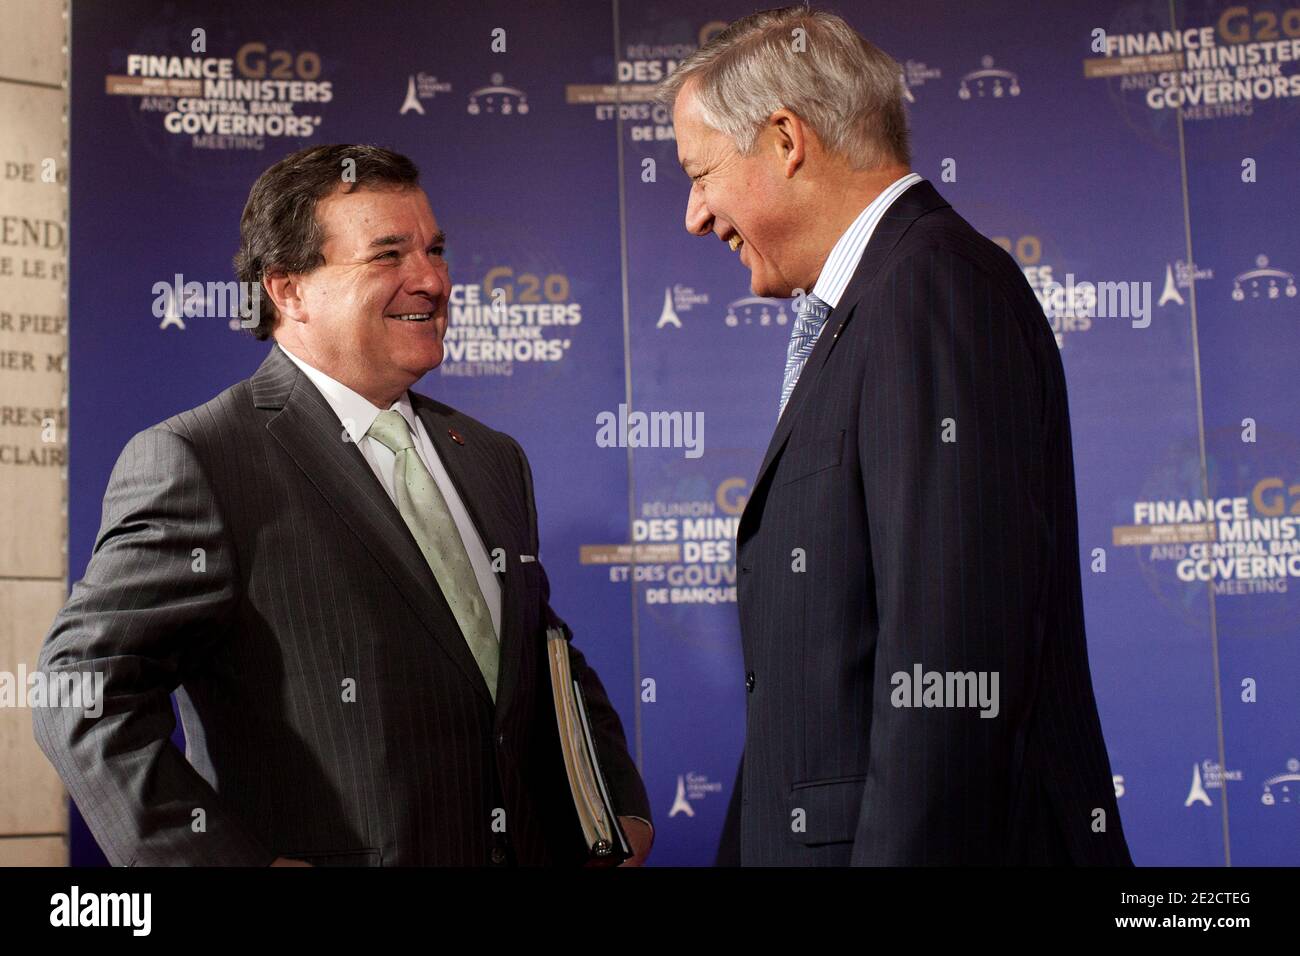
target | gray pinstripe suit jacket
[
  {"x": 312, "y": 586},
  {"x": 960, "y": 556}
]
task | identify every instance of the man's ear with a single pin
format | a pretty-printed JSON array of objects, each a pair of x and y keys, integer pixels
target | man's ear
[
  {"x": 285, "y": 291},
  {"x": 789, "y": 140}
]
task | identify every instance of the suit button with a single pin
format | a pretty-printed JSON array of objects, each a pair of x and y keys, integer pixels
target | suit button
[
  {"x": 498, "y": 855},
  {"x": 749, "y": 682}
]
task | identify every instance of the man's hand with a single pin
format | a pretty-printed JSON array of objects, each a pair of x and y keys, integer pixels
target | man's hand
[
  {"x": 285, "y": 861},
  {"x": 641, "y": 835}
]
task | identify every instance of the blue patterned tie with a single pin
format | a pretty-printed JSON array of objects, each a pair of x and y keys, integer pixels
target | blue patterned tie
[{"x": 810, "y": 316}]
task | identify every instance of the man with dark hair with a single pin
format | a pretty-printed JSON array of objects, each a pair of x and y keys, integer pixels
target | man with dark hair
[
  {"x": 336, "y": 576},
  {"x": 279, "y": 226},
  {"x": 908, "y": 563}
]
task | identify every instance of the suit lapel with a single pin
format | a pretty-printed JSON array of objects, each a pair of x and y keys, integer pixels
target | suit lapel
[
  {"x": 310, "y": 433},
  {"x": 476, "y": 479},
  {"x": 906, "y": 209}
]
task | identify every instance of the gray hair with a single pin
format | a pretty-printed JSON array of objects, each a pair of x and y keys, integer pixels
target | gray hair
[{"x": 848, "y": 90}]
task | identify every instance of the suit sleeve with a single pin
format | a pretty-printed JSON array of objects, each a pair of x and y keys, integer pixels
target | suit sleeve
[
  {"x": 627, "y": 790},
  {"x": 144, "y": 618},
  {"x": 950, "y": 427}
]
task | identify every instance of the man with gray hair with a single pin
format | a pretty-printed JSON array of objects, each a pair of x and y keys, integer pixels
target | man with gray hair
[{"x": 915, "y": 511}]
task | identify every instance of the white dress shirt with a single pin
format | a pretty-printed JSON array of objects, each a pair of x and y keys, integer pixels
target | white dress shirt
[
  {"x": 847, "y": 253},
  {"x": 356, "y": 414}
]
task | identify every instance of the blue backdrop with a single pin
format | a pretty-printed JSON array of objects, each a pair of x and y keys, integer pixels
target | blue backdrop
[{"x": 1108, "y": 142}]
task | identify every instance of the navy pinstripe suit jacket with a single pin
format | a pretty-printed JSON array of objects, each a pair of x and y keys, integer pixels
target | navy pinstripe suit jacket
[
  {"x": 959, "y": 556},
  {"x": 332, "y": 709}
]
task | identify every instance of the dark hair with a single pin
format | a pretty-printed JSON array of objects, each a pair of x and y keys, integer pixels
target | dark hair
[{"x": 278, "y": 231}]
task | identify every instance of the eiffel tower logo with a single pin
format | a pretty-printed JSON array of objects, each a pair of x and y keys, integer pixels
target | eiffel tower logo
[
  {"x": 412, "y": 101},
  {"x": 173, "y": 313},
  {"x": 668, "y": 316},
  {"x": 1171, "y": 293},
  {"x": 1197, "y": 794},
  {"x": 680, "y": 803}
]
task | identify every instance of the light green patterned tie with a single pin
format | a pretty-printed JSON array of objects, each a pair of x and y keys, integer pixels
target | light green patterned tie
[{"x": 425, "y": 512}]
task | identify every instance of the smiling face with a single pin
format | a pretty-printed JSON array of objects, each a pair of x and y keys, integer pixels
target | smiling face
[
  {"x": 374, "y": 314},
  {"x": 750, "y": 202}
]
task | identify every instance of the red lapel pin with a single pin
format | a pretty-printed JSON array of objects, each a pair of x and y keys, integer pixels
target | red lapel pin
[{"x": 455, "y": 436}]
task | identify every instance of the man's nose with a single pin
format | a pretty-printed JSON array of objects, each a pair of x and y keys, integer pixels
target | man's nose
[
  {"x": 429, "y": 276},
  {"x": 699, "y": 221}
]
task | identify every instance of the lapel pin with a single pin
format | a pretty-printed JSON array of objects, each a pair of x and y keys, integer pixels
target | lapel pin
[{"x": 455, "y": 436}]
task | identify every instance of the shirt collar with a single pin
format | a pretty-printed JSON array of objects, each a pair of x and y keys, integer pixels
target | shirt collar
[
  {"x": 355, "y": 412},
  {"x": 843, "y": 260}
]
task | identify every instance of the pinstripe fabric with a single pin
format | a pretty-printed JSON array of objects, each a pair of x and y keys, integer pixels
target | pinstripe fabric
[
  {"x": 332, "y": 710},
  {"x": 959, "y": 556}
]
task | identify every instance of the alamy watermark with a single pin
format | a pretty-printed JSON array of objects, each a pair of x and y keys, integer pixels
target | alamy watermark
[
  {"x": 950, "y": 689},
  {"x": 179, "y": 300},
  {"x": 133, "y": 911},
  {"x": 83, "y": 690},
  {"x": 1101, "y": 300},
  {"x": 632, "y": 429}
]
